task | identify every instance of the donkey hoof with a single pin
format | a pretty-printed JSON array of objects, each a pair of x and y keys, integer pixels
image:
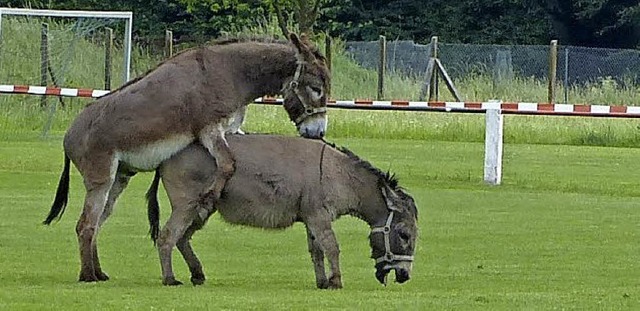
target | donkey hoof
[
  {"x": 101, "y": 276},
  {"x": 322, "y": 284},
  {"x": 171, "y": 282},
  {"x": 335, "y": 283},
  {"x": 197, "y": 280},
  {"x": 334, "y": 286},
  {"x": 87, "y": 277}
]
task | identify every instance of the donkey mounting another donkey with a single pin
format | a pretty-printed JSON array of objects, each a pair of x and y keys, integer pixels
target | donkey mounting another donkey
[{"x": 198, "y": 95}]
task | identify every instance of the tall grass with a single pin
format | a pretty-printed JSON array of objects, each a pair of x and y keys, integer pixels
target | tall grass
[
  {"x": 77, "y": 60},
  {"x": 22, "y": 118}
]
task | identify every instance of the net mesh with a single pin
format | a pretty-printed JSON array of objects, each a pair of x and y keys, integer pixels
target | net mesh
[
  {"x": 53, "y": 51},
  {"x": 75, "y": 51},
  {"x": 506, "y": 72}
]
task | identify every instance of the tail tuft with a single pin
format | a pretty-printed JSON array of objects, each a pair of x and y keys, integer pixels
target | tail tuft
[
  {"x": 62, "y": 194},
  {"x": 153, "y": 208}
]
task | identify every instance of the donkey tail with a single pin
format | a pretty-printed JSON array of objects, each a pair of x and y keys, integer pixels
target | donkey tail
[
  {"x": 153, "y": 208},
  {"x": 62, "y": 194}
]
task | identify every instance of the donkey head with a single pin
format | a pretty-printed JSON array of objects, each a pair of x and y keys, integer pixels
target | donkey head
[
  {"x": 393, "y": 244},
  {"x": 305, "y": 95}
]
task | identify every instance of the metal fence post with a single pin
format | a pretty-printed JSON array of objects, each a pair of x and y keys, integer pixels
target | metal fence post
[
  {"x": 44, "y": 59},
  {"x": 566, "y": 75},
  {"x": 553, "y": 66},
  {"x": 107, "y": 58},
  {"x": 168, "y": 43},
  {"x": 382, "y": 64},
  {"x": 433, "y": 86}
]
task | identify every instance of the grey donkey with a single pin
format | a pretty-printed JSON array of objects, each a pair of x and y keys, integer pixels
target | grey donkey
[{"x": 279, "y": 181}]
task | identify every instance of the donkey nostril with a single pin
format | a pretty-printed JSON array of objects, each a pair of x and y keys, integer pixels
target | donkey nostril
[
  {"x": 402, "y": 275},
  {"x": 305, "y": 133}
]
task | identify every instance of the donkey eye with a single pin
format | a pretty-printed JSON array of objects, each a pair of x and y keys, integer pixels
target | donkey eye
[
  {"x": 404, "y": 236},
  {"x": 315, "y": 92}
]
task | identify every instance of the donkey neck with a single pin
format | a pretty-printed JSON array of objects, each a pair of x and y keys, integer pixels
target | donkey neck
[
  {"x": 264, "y": 67},
  {"x": 371, "y": 206}
]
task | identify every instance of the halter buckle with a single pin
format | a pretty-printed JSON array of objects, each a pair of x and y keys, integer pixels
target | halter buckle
[{"x": 388, "y": 257}]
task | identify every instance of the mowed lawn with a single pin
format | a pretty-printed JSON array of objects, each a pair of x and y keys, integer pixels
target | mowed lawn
[{"x": 562, "y": 232}]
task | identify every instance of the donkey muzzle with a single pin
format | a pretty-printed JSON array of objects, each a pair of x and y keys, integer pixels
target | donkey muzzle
[
  {"x": 314, "y": 126},
  {"x": 402, "y": 275},
  {"x": 402, "y": 270}
]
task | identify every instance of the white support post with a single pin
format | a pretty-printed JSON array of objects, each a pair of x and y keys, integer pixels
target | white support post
[
  {"x": 127, "y": 48},
  {"x": 493, "y": 147}
]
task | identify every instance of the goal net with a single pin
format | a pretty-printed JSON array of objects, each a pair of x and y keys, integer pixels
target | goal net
[
  {"x": 69, "y": 46},
  {"x": 58, "y": 49}
]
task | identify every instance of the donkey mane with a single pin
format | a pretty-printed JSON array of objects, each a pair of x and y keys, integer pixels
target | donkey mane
[
  {"x": 388, "y": 178},
  {"x": 242, "y": 39},
  {"x": 265, "y": 39}
]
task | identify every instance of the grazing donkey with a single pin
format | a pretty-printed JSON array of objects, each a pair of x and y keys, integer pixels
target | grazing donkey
[
  {"x": 194, "y": 96},
  {"x": 281, "y": 180}
]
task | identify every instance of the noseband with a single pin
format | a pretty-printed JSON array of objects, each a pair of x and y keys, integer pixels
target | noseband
[
  {"x": 389, "y": 256},
  {"x": 293, "y": 86}
]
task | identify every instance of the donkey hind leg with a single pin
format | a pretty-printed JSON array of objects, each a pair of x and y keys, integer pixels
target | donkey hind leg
[
  {"x": 88, "y": 223},
  {"x": 326, "y": 239},
  {"x": 213, "y": 139},
  {"x": 317, "y": 257},
  {"x": 120, "y": 183},
  {"x": 184, "y": 246},
  {"x": 173, "y": 231}
]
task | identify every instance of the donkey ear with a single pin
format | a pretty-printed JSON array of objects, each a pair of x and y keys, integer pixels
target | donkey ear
[
  {"x": 301, "y": 48},
  {"x": 296, "y": 42},
  {"x": 389, "y": 197}
]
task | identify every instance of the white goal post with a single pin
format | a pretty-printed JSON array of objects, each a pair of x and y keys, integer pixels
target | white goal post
[{"x": 126, "y": 16}]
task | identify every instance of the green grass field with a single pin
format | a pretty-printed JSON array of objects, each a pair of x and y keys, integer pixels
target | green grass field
[{"x": 562, "y": 232}]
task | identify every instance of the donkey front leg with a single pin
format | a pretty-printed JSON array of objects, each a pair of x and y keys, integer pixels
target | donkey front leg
[
  {"x": 317, "y": 258},
  {"x": 326, "y": 238},
  {"x": 213, "y": 139}
]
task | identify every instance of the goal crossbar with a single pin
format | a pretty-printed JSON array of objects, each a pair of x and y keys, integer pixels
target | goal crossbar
[
  {"x": 126, "y": 15},
  {"x": 66, "y": 13}
]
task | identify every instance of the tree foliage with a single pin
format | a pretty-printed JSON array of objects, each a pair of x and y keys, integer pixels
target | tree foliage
[
  {"x": 303, "y": 13},
  {"x": 604, "y": 23},
  {"x": 468, "y": 21}
]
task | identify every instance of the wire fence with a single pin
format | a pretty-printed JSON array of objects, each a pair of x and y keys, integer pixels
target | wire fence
[{"x": 513, "y": 72}]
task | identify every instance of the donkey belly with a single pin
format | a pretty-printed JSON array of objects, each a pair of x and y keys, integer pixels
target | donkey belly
[
  {"x": 252, "y": 207},
  {"x": 149, "y": 157}
]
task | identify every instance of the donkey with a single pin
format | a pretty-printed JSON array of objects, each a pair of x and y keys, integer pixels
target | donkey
[
  {"x": 194, "y": 96},
  {"x": 281, "y": 180}
]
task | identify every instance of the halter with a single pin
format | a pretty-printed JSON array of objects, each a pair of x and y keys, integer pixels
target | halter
[
  {"x": 293, "y": 85},
  {"x": 389, "y": 256}
]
